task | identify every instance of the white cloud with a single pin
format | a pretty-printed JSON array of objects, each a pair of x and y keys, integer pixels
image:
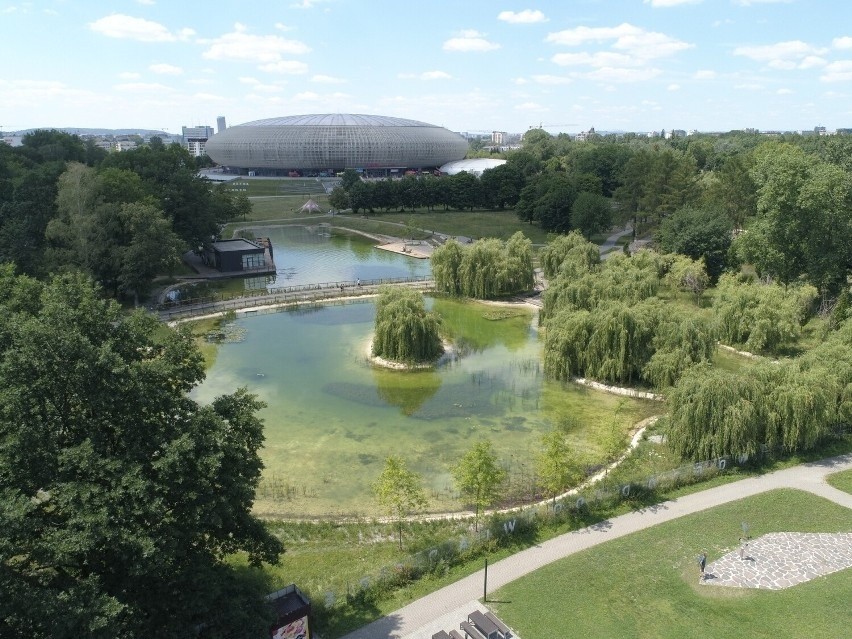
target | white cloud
[
  {"x": 142, "y": 87},
  {"x": 435, "y": 75},
  {"x": 530, "y": 106},
  {"x": 840, "y": 71},
  {"x": 146, "y": 2},
  {"x": 268, "y": 88},
  {"x": 779, "y": 52},
  {"x": 34, "y": 93},
  {"x": 426, "y": 75},
  {"x": 633, "y": 41},
  {"x": 208, "y": 97},
  {"x": 527, "y": 16},
  {"x": 673, "y": 87},
  {"x": 520, "y": 81},
  {"x": 291, "y": 67},
  {"x": 614, "y": 74},
  {"x": 282, "y": 27},
  {"x": 671, "y": 3},
  {"x": 327, "y": 79},
  {"x": 127, "y": 27},
  {"x": 784, "y": 92},
  {"x": 631, "y": 50},
  {"x": 307, "y": 96},
  {"x": 551, "y": 79},
  {"x": 248, "y": 80},
  {"x": 165, "y": 69},
  {"x": 470, "y": 40},
  {"x": 748, "y": 3},
  {"x": 597, "y": 59},
  {"x": 842, "y": 43},
  {"x": 241, "y": 45},
  {"x": 704, "y": 74},
  {"x": 811, "y": 61},
  {"x": 129, "y": 75}
]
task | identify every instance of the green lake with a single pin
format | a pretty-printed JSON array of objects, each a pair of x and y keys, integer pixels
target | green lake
[{"x": 332, "y": 417}]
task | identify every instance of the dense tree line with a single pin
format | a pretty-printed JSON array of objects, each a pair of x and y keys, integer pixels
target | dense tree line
[
  {"x": 792, "y": 405},
  {"x": 605, "y": 321},
  {"x": 119, "y": 495},
  {"x": 121, "y": 218}
]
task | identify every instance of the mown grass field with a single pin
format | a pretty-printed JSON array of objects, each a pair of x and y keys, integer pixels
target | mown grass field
[
  {"x": 841, "y": 481},
  {"x": 646, "y": 584}
]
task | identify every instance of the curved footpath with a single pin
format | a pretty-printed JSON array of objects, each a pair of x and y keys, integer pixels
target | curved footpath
[{"x": 419, "y": 619}]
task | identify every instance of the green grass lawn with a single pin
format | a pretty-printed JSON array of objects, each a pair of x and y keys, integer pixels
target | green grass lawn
[
  {"x": 841, "y": 481},
  {"x": 646, "y": 584},
  {"x": 475, "y": 224}
]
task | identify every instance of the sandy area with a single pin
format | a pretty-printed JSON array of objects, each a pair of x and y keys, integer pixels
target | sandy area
[{"x": 412, "y": 248}]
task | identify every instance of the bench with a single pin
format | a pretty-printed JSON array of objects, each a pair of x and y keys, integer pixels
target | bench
[
  {"x": 503, "y": 628},
  {"x": 470, "y": 631},
  {"x": 484, "y": 625}
]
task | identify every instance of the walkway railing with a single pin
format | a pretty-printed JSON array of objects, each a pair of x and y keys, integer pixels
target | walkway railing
[{"x": 219, "y": 302}]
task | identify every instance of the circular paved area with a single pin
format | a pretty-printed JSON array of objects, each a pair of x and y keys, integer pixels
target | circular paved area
[{"x": 781, "y": 560}]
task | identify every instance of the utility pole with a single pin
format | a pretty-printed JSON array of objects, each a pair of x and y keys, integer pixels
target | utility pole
[{"x": 485, "y": 583}]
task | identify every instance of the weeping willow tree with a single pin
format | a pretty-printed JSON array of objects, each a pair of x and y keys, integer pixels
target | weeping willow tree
[
  {"x": 405, "y": 331},
  {"x": 715, "y": 412},
  {"x": 446, "y": 260},
  {"x": 763, "y": 317},
  {"x": 485, "y": 269},
  {"x": 620, "y": 278},
  {"x": 570, "y": 253},
  {"x": 626, "y": 343},
  {"x": 679, "y": 343},
  {"x": 611, "y": 343}
]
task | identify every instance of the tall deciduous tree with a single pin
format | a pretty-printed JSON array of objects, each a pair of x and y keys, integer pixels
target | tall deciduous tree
[
  {"x": 556, "y": 464},
  {"x": 120, "y": 495},
  {"x": 699, "y": 233},
  {"x": 479, "y": 476},
  {"x": 591, "y": 213},
  {"x": 399, "y": 491}
]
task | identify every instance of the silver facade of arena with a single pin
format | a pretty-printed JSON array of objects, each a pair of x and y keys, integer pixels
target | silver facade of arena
[{"x": 335, "y": 142}]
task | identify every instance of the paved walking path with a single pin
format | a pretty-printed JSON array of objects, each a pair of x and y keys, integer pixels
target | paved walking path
[
  {"x": 413, "y": 621},
  {"x": 612, "y": 240}
]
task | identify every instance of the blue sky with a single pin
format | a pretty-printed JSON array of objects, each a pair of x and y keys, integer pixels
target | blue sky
[{"x": 468, "y": 65}]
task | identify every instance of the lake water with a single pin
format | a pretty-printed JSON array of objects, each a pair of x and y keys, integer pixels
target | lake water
[
  {"x": 332, "y": 417},
  {"x": 313, "y": 254}
]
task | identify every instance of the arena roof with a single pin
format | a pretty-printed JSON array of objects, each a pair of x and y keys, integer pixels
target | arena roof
[
  {"x": 336, "y": 141},
  {"x": 336, "y": 119}
]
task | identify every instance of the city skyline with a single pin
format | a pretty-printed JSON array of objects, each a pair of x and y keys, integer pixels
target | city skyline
[{"x": 637, "y": 65}]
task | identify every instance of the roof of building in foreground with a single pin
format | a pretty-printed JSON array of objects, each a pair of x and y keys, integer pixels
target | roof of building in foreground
[{"x": 335, "y": 141}]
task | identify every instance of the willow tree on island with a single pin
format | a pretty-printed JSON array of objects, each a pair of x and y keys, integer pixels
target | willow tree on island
[{"x": 405, "y": 330}]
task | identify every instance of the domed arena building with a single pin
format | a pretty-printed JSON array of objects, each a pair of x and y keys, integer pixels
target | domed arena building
[{"x": 324, "y": 144}]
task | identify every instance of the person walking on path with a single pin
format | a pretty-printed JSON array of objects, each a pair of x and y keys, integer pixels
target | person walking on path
[
  {"x": 702, "y": 563},
  {"x": 743, "y": 547}
]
